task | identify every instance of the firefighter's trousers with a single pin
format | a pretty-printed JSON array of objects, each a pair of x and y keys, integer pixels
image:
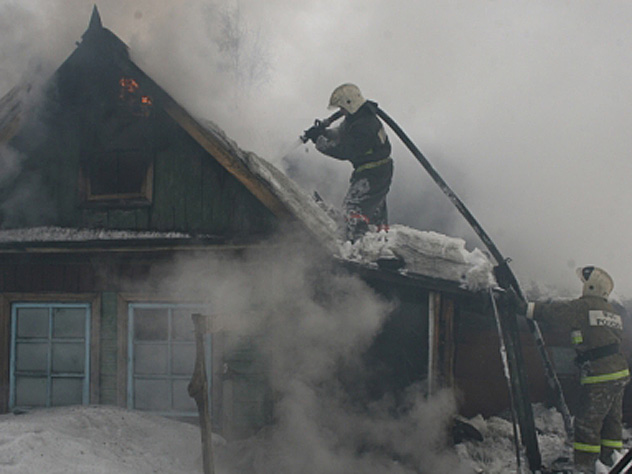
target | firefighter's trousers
[{"x": 598, "y": 423}]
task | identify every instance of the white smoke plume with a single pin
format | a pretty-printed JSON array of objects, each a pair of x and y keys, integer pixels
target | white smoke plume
[{"x": 310, "y": 324}]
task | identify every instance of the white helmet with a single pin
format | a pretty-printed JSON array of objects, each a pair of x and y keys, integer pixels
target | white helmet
[
  {"x": 596, "y": 281},
  {"x": 347, "y": 96}
]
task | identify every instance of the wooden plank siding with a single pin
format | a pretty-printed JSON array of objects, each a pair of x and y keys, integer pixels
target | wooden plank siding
[
  {"x": 193, "y": 193},
  {"x": 109, "y": 345}
]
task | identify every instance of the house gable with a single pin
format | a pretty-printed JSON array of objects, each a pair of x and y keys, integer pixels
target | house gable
[{"x": 107, "y": 147}]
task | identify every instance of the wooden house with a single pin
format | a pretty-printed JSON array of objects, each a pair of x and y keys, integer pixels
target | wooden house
[{"x": 117, "y": 180}]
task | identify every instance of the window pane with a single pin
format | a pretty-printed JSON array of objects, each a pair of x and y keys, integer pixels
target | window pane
[
  {"x": 30, "y": 392},
  {"x": 183, "y": 359},
  {"x": 69, "y": 322},
  {"x": 164, "y": 357},
  {"x": 181, "y": 399},
  {"x": 183, "y": 325},
  {"x": 103, "y": 173},
  {"x": 68, "y": 357},
  {"x": 132, "y": 171},
  {"x": 118, "y": 172},
  {"x": 151, "y": 359},
  {"x": 32, "y": 322},
  {"x": 31, "y": 357},
  {"x": 151, "y": 324},
  {"x": 67, "y": 392},
  {"x": 152, "y": 395}
]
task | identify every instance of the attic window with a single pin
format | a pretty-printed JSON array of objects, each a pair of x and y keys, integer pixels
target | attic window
[{"x": 123, "y": 176}]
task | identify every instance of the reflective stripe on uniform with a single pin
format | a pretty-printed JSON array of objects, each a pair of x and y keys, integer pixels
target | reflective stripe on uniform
[
  {"x": 576, "y": 337},
  {"x": 371, "y": 164},
  {"x": 530, "y": 310},
  {"x": 611, "y": 443},
  {"x": 605, "y": 377},
  {"x": 587, "y": 448}
]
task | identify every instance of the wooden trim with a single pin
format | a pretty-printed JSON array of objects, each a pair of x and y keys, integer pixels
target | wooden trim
[
  {"x": 121, "y": 343},
  {"x": 7, "y": 299},
  {"x": 410, "y": 280},
  {"x": 95, "y": 351},
  {"x": 5, "y": 354},
  {"x": 434, "y": 339},
  {"x": 213, "y": 145},
  {"x": 448, "y": 344},
  {"x": 124, "y": 246}
]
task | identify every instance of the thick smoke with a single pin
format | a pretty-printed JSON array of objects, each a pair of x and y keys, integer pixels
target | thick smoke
[
  {"x": 27, "y": 203},
  {"x": 522, "y": 106},
  {"x": 311, "y": 324}
]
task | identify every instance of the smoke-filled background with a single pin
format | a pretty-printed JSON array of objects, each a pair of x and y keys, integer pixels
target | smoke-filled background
[{"x": 522, "y": 106}]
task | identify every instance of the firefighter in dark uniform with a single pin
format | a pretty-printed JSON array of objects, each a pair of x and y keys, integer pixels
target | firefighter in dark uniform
[
  {"x": 596, "y": 331},
  {"x": 362, "y": 140}
]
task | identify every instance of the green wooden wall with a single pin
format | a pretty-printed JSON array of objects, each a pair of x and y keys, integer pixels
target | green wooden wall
[{"x": 108, "y": 349}]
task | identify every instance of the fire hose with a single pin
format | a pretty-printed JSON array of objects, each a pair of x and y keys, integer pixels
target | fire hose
[{"x": 504, "y": 275}]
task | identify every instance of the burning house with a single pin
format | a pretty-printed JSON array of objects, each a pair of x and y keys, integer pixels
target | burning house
[{"x": 118, "y": 182}]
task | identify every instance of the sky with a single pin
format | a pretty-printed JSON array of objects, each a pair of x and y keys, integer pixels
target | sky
[{"x": 522, "y": 106}]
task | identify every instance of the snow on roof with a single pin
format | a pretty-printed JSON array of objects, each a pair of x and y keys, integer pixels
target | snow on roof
[
  {"x": 425, "y": 253},
  {"x": 63, "y": 234}
]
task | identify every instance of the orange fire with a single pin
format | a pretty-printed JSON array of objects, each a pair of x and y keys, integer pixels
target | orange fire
[
  {"x": 128, "y": 85},
  {"x": 129, "y": 95}
]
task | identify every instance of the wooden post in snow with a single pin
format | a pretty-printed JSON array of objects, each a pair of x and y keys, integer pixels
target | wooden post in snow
[
  {"x": 198, "y": 390},
  {"x": 432, "y": 326}
]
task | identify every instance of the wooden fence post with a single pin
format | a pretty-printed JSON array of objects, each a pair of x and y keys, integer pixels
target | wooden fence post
[{"x": 198, "y": 390}]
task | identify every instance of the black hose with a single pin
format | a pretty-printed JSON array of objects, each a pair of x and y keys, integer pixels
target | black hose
[{"x": 504, "y": 275}]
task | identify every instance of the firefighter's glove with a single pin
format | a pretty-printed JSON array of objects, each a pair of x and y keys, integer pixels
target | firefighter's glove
[
  {"x": 322, "y": 143},
  {"x": 315, "y": 131},
  {"x": 502, "y": 273},
  {"x": 517, "y": 303}
]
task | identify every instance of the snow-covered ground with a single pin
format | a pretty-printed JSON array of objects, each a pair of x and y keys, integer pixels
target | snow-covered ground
[
  {"x": 100, "y": 440},
  {"x": 96, "y": 440},
  {"x": 496, "y": 453}
]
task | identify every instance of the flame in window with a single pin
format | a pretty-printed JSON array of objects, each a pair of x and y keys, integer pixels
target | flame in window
[
  {"x": 128, "y": 86},
  {"x": 129, "y": 95}
]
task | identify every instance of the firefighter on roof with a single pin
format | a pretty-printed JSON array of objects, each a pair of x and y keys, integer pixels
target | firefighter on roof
[
  {"x": 596, "y": 332},
  {"x": 362, "y": 140}
]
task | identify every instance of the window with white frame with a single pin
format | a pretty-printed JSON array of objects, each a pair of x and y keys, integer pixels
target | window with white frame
[
  {"x": 161, "y": 358},
  {"x": 50, "y": 355}
]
